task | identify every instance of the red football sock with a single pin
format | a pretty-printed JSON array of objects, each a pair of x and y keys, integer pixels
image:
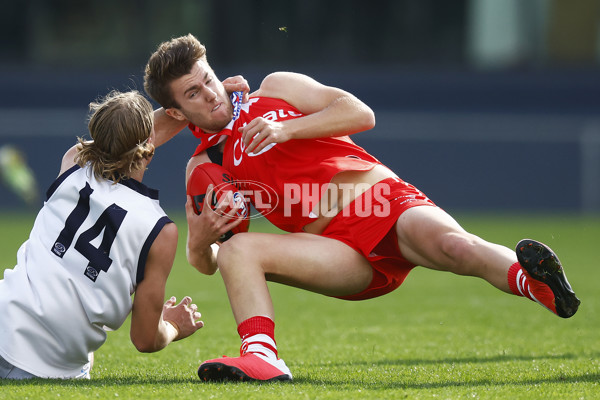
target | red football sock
[
  {"x": 521, "y": 284},
  {"x": 258, "y": 336}
]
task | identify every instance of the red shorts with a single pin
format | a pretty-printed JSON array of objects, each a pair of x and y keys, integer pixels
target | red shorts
[{"x": 368, "y": 226}]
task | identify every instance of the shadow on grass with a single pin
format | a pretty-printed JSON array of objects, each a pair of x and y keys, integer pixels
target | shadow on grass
[
  {"x": 101, "y": 382},
  {"x": 367, "y": 380},
  {"x": 363, "y": 379},
  {"x": 580, "y": 378},
  {"x": 461, "y": 360}
]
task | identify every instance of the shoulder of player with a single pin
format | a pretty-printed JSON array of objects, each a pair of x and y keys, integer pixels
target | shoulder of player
[
  {"x": 68, "y": 159},
  {"x": 280, "y": 84},
  {"x": 165, "y": 240},
  {"x": 169, "y": 231}
]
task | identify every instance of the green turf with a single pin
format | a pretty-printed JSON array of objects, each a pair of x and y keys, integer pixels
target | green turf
[{"x": 438, "y": 336}]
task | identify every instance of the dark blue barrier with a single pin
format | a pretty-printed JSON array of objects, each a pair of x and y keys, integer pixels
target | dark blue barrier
[
  {"x": 494, "y": 174},
  {"x": 504, "y": 141}
]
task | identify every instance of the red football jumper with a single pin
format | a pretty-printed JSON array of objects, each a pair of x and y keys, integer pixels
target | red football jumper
[{"x": 285, "y": 180}]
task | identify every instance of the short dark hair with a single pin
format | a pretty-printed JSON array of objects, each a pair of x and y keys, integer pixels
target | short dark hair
[{"x": 171, "y": 60}]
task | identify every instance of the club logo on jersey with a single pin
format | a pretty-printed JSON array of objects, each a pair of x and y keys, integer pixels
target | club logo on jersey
[
  {"x": 91, "y": 273},
  {"x": 236, "y": 100},
  {"x": 59, "y": 249}
]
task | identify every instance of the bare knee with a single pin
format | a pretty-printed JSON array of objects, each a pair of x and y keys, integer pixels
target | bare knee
[
  {"x": 460, "y": 248},
  {"x": 239, "y": 249}
]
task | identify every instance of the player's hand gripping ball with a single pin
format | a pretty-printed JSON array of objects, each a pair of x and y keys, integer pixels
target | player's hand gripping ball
[{"x": 223, "y": 183}]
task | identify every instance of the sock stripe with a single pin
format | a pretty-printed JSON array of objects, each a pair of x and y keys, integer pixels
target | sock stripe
[
  {"x": 522, "y": 285},
  {"x": 258, "y": 337},
  {"x": 262, "y": 344},
  {"x": 256, "y": 348},
  {"x": 259, "y": 344},
  {"x": 261, "y": 338},
  {"x": 521, "y": 281}
]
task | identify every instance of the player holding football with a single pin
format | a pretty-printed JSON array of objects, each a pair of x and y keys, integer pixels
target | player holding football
[
  {"x": 292, "y": 136},
  {"x": 100, "y": 236}
]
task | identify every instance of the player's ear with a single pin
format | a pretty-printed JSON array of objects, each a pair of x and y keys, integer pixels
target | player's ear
[{"x": 175, "y": 113}]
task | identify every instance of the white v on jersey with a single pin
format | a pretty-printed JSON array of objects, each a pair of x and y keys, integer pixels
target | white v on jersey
[{"x": 77, "y": 271}]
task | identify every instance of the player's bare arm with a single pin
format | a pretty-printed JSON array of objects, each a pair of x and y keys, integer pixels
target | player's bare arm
[
  {"x": 199, "y": 251},
  {"x": 206, "y": 228},
  {"x": 166, "y": 127},
  {"x": 329, "y": 112},
  {"x": 150, "y": 329}
]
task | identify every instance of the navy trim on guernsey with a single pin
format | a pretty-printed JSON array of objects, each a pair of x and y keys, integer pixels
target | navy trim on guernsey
[
  {"x": 60, "y": 180},
  {"x": 140, "y": 188},
  {"x": 146, "y": 248},
  {"x": 130, "y": 183}
]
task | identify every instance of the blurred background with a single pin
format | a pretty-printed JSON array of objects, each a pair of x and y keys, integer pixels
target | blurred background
[{"x": 485, "y": 105}]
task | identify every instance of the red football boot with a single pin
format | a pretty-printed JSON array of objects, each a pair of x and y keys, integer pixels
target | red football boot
[{"x": 248, "y": 367}]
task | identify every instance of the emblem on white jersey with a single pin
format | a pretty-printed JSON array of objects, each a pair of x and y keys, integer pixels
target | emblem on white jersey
[
  {"x": 59, "y": 249},
  {"x": 91, "y": 273}
]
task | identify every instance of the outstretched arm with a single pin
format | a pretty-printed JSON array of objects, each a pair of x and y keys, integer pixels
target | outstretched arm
[
  {"x": 153, "y": 324},
  {"x": 329, "y": 111}
]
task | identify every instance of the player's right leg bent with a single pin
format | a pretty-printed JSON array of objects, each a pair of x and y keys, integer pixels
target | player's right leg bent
[{"x": 246, "y": 262}]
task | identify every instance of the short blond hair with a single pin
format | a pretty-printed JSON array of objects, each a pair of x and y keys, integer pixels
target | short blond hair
[
  {"x": 120, "y": 125},
  {"x": 171, "y": 60}
]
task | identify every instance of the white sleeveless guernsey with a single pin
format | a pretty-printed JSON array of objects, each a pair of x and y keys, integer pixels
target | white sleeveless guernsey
[{"x": 76, "y": 273}]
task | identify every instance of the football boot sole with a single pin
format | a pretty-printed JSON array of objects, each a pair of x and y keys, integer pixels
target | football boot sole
[{"x": 543, "y": 265}]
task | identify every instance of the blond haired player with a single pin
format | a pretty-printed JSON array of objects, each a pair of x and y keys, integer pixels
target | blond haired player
[{"x": 100, "y": 237}]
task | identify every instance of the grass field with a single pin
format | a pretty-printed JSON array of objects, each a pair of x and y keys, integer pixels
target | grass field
[{"x": 438, "y": 336}]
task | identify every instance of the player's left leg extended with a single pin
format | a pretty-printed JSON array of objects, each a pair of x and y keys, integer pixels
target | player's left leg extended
[{"x": 430, "y": 237}]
